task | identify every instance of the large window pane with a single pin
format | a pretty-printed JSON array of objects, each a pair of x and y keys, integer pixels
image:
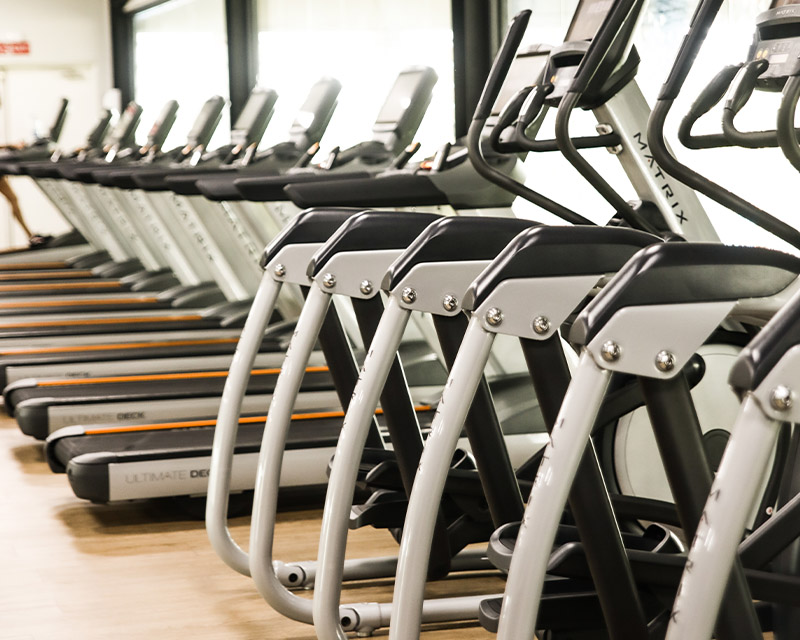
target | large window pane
[
  {"x": 181, "y": 53},
  {"x": 362, "y": 43}
]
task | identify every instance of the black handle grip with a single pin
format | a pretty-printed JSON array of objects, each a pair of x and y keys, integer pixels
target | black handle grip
[
  {"x": 744, "y": 84},
  {"x": 787, "y": 135},
  {"x": 703, "y": 18},
  {"x": 708, "y": 98},
  {"x": 501, "y": 65},
  {"x": 506, "y": 118}
]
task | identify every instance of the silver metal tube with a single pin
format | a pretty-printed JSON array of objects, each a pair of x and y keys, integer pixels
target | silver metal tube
[
  {"x": 265, "y": 501},
  {"x": 426, "y": 495},
  {"x": 548, "y": 496},
  {"x": 219, "y": 479},
  {"x": 736, "y": 487},
  {"x": 344, "y": 471}
]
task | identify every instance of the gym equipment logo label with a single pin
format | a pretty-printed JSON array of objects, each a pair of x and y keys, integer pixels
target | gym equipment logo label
[
  {"x": 677, "y": 210},
  {"x": 165, "y": 476}
]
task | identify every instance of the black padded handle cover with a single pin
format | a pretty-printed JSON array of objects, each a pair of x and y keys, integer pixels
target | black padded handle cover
[
  {"x": 270, "y": 188},
  {"x": 313, "y": 225},
  {"x": 765, "y": 350},
  {"x": 373, "y": 231},
  {"x": 398, "y": 190},
  {"x": 455, "y": 239},
  {"x": 682, "y": 273},
  {"x": 558, "y": 252}
]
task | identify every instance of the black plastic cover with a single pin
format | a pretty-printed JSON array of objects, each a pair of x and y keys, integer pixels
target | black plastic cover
[
  {"x": 396, "y": 190},
  {"x": 765, "y": 350},
  {"x": 270, "y": 188},
  {"x": 373, "y": 231},
  {"x": 455, "y": 239},
  {"x": 558, "y": 252},
  {"x": 74, "y": 170},
  {"x": 313, "y": 225},
  {"x": 680, "y": 273}
]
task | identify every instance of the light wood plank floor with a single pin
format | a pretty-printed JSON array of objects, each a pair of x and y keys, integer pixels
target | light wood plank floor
[{"x": 72, "y": 570}]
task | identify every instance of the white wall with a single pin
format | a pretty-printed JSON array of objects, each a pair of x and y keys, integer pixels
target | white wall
[{"x": 70, "y": 56}]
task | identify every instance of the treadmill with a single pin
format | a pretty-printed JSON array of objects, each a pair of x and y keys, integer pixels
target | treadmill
[
  {"x": 98, "y": 468},
  {"x": 60, "y": 252},
  {"x": 94, "y": 331},
  {"x": 155, "y": 286},
  {"x": 160, "y": 354}
]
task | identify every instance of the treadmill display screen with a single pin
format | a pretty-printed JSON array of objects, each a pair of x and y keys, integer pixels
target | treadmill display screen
[
  {"x": 587, "y": 19},
  {"x": 314, "y": 104},
  {"x": 400, "y": 97},
  {"x": 125, "y": 122},
  {"x": 208, "y": 117},
  {"x": 255, "y": 110},
  {"x": 524, "y": 72}
]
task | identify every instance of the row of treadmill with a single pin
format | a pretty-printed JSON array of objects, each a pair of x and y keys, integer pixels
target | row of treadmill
[{"x": 602, "y": 415}]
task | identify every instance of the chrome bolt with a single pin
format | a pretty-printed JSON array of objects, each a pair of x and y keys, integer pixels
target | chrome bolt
[
  {"x": 616, "y": 150},
  {"x": 279, "y": 271},
  {"x": 450, "y": 302},
  {"x": 408, "y": 295},
  {"x": 494, "y": 316},
  {"x": 610, "y": 351},
  {"x": 541, "y": 325},
  {"x": 665, "y": 361},
  {"x": 781, "y": 398},
  {"x": 329, "y": 281},
  {"x": 366, "y": 287}
]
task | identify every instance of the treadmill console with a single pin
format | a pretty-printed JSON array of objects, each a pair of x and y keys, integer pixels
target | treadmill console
[
  {"x": 315, "y": 114},
  {"x": 777, "y": 40},
  {"x": 162, "y": 126},
  {"x": 405, "y": 106},
  {"x": 98, "y": 134},
  {"x": 58, "y": 124},
  {"x": 205, "y": 124},
  {"x": 122, "y": 134},
  {"x": 254, "y": 118}
]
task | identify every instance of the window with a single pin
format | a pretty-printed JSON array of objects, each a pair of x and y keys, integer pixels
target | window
[
  {"x": 362, "y": 43},
  {"x": 181, "y": 54}
]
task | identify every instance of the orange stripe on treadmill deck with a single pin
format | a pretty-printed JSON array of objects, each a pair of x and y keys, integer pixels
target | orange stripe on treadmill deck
[
  {"x": 71, "y": 273},
  {"x": 189, "y": 375},
  {"x": 296, "y": 417},
  {"x": 22, "y": 304},
  {"x": 50, "y": 286},
  {"x": 121, "y": 345},
  {"x": 97, "y": 321},
  {"x": 21, "y": 266}
]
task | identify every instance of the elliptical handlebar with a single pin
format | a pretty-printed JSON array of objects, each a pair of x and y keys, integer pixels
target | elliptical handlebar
[
  {"x": 703, "y": 18},
  {"x": 501, "y": 65},
  {"x": 494, "y": 82},
  {"x": 599, "y": 49},
  {"x": 707, "y": 100},
  {"x": 787, "y": 134}
]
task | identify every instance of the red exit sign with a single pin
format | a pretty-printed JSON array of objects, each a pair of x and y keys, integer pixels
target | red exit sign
[{"x": 17, "y": 48}]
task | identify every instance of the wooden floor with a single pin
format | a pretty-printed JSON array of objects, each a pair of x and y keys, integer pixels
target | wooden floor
[{"x": 72, "y": 570}]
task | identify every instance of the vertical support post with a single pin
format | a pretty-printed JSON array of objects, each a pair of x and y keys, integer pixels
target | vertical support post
[
  {"x": 679, "y": 439},
  {"x": 241, "y": 18},
  {"x": 589, "y": 501},
  {"x": 484, "y": 432},
  {"x": 122, "y": 50}
]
